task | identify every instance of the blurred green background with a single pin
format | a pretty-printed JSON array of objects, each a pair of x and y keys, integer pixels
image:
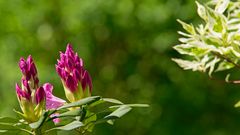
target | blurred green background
[{"x": 127, "y": 47}]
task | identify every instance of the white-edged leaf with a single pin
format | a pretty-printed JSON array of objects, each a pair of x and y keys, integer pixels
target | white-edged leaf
[
  {"x": 221, "y": 6},
  {"x": 187, "y": 65},
  {"x": 189, "y": 28},
  {"x": 201, "y": 11}
]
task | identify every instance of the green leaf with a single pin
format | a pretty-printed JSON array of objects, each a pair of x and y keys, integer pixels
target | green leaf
[
  {"x": 41, "y": 120},
  {"x": 237, "y": 104},
  {"x": 70, "y": 126},
  {"x": 12, "y": 132},
  {"x": 3, "y": 131},
  {"x": 89, "y": 121},
  {"x": 84, "y": 101},
  {"x": 104, "y": 100},
  {"x": 75, "y": 112},
  {"x": 111, "y": 100},
  {"x": 224, "y": 65},
  {"x": 8, "y": 126},
  {"x": 19, "y": 114},
  {"x": 8, "y": 120},
  {"x": 48, "y": 125},
  {"x": 122, "y": 110},
  {"x": 131, "y": 105}
]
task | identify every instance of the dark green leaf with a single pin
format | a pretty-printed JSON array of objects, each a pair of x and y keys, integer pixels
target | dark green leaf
[
  {"x": 84, "y": 101},
  {"x": 70, "y": 126},
  {"x": 75, "y": 112},
  {"x": 8, "y": 120},
  {"x": 7, "y": 126}
]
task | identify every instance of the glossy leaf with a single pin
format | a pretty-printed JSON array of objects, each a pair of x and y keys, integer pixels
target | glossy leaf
[
  {"x": 111, "y": 100},
  {"x": 122, "y": 110},
  {"x": 75, "y": 112},
  {"x": 70, "y": 126},
  {"x": 81, "y": 102},
  {"x": 131, "y": 105}
]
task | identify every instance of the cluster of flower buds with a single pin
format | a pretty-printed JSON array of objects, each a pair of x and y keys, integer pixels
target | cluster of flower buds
[
  {"x": 76, "y": 80},
  {"x": 34, "y": 99},
  {"x": 30, "y": 96}
]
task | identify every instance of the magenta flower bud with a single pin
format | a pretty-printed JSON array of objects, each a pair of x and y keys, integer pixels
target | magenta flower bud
[
  {"x": 86, "y": 81},
  {"x": 29, "y": 71},
  {"x": 40, "y": 95},
  {"x": 76, "y": 80},
  {"x": 26, "y": 86},
  {"x": 23, "y": 65},
  {"x": 31, "y": 97},
  {"x": 21, "y": 94}
]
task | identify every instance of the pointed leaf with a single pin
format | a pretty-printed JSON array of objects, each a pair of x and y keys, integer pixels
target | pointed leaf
[
  {"x": 84, "y": 101},
  {"x": 119, "y": 112},
  {"x": 201, "y": 11},
  {"x": 70, "y": 126},
  {"x": 8, "y": 120},
  {"x": 221, "y": 6},
  {"x": 131, "y": 105},
  {"x": 75, "y": 112},
  {"x": 111, "y": 100},
  {"x": 189, "y": 28}
]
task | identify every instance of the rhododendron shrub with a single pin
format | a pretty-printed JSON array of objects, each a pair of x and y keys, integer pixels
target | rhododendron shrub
[{"x": 43, "y": 113}]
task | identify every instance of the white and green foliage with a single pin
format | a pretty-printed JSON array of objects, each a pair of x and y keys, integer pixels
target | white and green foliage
[{"x": 213, "y": 45}]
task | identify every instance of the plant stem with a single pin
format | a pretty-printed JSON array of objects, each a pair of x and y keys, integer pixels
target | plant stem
[{"x": 226, "y": 58}]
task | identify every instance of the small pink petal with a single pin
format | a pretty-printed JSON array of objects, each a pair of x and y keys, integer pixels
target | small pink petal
[
  {"x": 52, "y": 102},
  {"x": 56, "y": 120}
]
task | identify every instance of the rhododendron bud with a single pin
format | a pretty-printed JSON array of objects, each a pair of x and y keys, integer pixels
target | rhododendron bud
[
  {"x": 29, "y": 71},
  {"x": 76, "y": 80},
  {"x": 40, "y": 95},
  {"x": 31, "y": 97},
  {"x": 21, "y": 94}
]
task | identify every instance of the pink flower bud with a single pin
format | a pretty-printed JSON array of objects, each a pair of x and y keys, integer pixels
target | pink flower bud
[
  {"x": 75, "y": 78},
  {"x": 31, "y": 97},
  {"x": 40, "y": 95},
  {"x": 29, "y": 71},
  {"x": 21, "y": 94}
]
